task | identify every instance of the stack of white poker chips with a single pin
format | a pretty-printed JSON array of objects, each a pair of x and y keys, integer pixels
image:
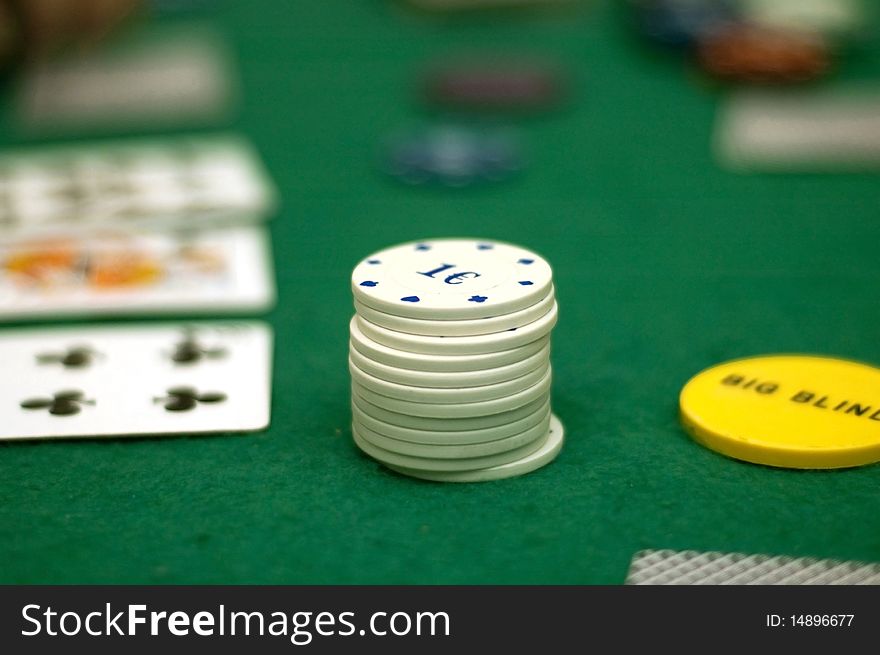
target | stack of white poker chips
[{"x": 450, "y": 360}]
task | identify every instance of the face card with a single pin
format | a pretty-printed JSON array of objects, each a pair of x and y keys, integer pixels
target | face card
[
  {"x": 691, "y": 567},
  {"x": 135, "y": 381},
  {"x": 821, "y": 131},
  {"x": 174, "y": 182},
  {"x": 153, "y": 78},
  {"x": 125, "y": 273}
]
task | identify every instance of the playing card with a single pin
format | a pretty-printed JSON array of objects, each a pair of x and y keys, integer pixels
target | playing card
[
  {"x": 190, "y": 182},
  {"x": 150, "y": 78},
  {"x": 800, "y": 130},
  {"x": 691, "y": 567},
  {"x": 135, "y": 380},
  {"x": 116, "y": 273}
]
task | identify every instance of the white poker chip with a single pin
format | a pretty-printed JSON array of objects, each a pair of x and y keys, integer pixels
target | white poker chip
[
  {"x": 439, "y": 363},
  {"x": 448, "y": 437},
  {"x": 433, "y": 464},
  {"x": 474, "y": 345},
  {"x": 541, "y": 457},
  {"x": 455, "y": 451},
  {"x": 450, "y": 360},
  {"x": 429, "y": 423},
  {"x": 457, "y": 410},
  {"x": 451, "y": 279},
  {"x": 452, "y": 379},
  {"x": 465, "y": 328},
  {"x": 446, "y": 396}
]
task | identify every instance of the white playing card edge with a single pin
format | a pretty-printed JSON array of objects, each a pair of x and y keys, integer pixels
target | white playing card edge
[
  {"x": 144, "y": 435},
  {"x": 208, "y": 221},
  {"x": 124, "y": 326}
]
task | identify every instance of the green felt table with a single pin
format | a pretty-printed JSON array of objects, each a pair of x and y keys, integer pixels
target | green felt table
[{"x": 664, "y": 265}]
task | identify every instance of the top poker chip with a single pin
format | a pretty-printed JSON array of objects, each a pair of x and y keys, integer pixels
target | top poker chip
[{"x": 452, "y": 279}]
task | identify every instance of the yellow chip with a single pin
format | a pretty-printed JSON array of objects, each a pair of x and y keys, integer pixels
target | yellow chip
[{"x": 793, "y": 411}]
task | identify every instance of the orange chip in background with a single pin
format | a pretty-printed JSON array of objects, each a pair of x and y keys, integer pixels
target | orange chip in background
[{"x": 763, "y": 55}]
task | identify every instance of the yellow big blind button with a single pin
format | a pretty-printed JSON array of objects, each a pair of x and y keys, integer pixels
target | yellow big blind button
[{"x": 794, "y": 411}]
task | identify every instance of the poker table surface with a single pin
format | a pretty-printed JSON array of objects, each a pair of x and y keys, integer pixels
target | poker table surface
[{"x": 664, "y": 264}]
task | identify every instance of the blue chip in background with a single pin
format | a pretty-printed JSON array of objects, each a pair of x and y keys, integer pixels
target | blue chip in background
[
  {"x": 682, "y": 23},
  {"x": 454, "y": 155}
]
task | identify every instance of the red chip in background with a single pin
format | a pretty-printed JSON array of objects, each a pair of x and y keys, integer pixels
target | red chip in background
[{"x": 509, "y": 86}]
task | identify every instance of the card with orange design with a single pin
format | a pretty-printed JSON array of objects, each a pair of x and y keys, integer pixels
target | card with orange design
[{"x": 123, "y": 272}]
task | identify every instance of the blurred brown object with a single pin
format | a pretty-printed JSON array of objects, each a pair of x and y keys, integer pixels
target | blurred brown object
[
  {"x": 496, "y": 85},
  {"x": 34, "y": 29},
  {"x": 760, "y": 55}
]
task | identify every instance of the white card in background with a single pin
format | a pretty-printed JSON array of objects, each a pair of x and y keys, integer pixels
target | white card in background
[
  {"x": 173, "y": 182},
  {"x": 692, "y": 567},
  {"x": 830, "y": 18},
  {"x": 154, "y": 77},
  {"x": 133, "y": 273},
  {"x": 803, "y": 130},
  {"x": 135, "y": 380}
]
